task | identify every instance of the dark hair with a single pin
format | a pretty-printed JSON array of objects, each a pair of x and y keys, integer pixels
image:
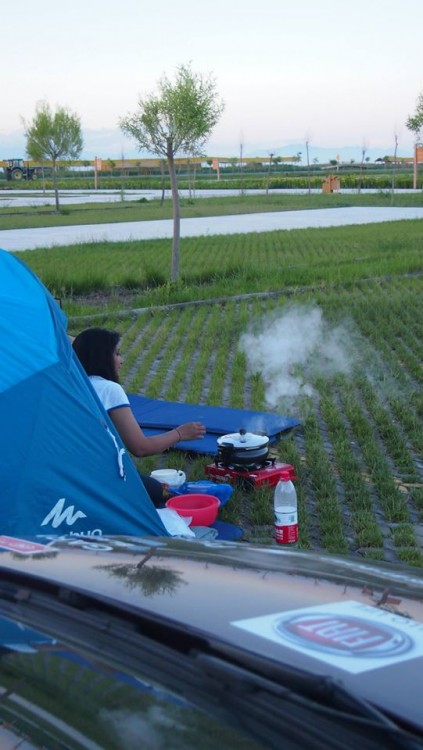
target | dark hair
[{"x": 95, "y": 348}]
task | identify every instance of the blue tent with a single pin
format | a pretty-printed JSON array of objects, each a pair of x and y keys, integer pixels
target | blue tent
[{"x": 63, "y": 467}]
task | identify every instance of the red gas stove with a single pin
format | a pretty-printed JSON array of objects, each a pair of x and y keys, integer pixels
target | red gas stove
[{"x": 266, "y": 473}]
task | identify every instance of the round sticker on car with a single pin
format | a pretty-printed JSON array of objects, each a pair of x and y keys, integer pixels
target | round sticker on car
[{"x": 344, "y": 634}]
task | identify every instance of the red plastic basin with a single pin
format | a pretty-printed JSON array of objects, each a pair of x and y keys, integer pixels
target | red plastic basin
[{"x": 201, "y": 508}]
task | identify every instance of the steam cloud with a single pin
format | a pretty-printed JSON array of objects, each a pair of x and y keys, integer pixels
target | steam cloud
[{"x": 290, "y": 349}]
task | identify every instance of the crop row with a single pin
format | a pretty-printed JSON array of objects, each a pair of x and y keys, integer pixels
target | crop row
[{"x": 250, "y": 182}]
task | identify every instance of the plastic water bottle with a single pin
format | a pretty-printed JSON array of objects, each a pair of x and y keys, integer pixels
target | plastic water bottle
[{"x": 286, "y": 513}]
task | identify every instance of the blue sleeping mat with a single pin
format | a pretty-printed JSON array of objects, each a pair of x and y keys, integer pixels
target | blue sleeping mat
[{"x": 157, "y": 416}]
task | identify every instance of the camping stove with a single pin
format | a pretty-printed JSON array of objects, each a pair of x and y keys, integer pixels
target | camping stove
[{"x": 263, "y": 473}]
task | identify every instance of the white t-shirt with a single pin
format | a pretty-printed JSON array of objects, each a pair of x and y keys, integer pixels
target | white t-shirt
[{"x": 111, "y": 394}]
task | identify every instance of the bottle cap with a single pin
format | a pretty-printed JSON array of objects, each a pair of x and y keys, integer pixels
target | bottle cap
[{"x": 285, "y": 475}]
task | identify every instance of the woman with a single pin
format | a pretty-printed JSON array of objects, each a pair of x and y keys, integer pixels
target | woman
[{"x": 98, "y": 351}]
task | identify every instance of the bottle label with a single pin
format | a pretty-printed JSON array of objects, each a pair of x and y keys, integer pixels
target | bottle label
[{"x": 286, "y": 527}]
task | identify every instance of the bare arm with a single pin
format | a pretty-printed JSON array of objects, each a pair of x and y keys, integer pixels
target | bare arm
[{"x": 141, "y": 445}]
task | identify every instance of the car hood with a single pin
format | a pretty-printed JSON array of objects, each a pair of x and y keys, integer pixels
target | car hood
[{"x": 357, "y": 622}]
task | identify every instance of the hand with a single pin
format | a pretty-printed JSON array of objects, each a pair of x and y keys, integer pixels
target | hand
[{"x": 192, "y": 431}]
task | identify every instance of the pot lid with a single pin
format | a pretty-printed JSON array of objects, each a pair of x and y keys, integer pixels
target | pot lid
[{"x": 243, "y": 439}]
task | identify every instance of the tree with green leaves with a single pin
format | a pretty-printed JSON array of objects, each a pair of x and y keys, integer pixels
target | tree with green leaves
[
  {"x": 178, "y": 119},
  {"x": 52, "y": 136},
  {"x": 415, "y": 122}
]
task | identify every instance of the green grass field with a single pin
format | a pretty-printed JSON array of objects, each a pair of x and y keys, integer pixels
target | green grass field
[
  {"x": 12, "y": 217},
  {"x": 323, "y": 324}
]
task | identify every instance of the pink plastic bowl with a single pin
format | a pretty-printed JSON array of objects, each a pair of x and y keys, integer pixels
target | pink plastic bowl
[{"x": 201, "y": 508}]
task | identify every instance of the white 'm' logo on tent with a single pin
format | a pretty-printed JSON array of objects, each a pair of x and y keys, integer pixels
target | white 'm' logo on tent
[{"x": 57, "y": 515}]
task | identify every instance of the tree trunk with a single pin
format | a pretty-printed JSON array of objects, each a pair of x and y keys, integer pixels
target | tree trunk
[
  {"x": 267, "y": 180},
  {"x": 55, "y": 187},
  {"x": 162, "y": 172},
  {"x": 176, "y": 213},
  {"x": 308, "y": 170},
  {"x": 394, "y": 166}
]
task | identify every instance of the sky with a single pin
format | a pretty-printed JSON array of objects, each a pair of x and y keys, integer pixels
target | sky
[{"x": 333, "y": 73}]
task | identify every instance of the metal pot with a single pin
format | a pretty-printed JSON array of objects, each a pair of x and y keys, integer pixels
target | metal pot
[{"x": 242, "y": 448}]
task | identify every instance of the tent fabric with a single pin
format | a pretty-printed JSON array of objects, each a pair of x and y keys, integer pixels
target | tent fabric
[
  {"x": 63, "y": 467},
  {"x": 157, "y": 416}
]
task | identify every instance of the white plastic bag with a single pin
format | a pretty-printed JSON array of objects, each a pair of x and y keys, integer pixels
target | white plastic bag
[{"x": 175, "y": 524}]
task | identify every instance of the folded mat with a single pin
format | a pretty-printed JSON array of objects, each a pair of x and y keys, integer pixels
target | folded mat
[
  {"x": 158, "y": 416},
  {"x": 227, "y": 530}
]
